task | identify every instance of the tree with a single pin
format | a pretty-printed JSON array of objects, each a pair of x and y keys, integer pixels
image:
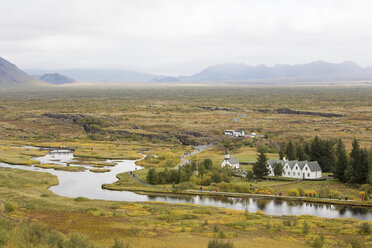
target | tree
[
  {"x": 301, "y": 156},
  {"x": 151, "y": 177},
  {"x": 342, "y": 162},
  {"x": 358, "y": 171},
  {"x": 260, "y": 167},
  {"x": 290, "y": 151},
  {"x": 281, "y": 152},
  {"x": 278, "y": 169},
  {"x": 207, "y": 163}
]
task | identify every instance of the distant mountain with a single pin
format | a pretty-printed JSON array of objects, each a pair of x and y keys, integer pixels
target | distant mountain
[
  {"x": 98, "y": 75},
  {"x": 318, "y": 70},
  {"x": 12, "y": 77},
  {"x": 55, "y": 78}
]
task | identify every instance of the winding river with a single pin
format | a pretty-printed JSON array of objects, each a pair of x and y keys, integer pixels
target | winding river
[{"x": 88, "y": 184}]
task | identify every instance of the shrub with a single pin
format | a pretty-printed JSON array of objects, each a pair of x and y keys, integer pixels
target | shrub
[
  {"x": 81, "y": 199},
  {"x": 357, "y": 242},
  {"x": 215, "y": 243},
  {"x": 293, "y": 192},
  {"x": 311, "y": 191},
  {"x": 362, "y": 194},
  {"x": 119, "y": 244},
  {"x": 318, "y": 241},
  {"x": 365, "y": 228},
  {"x": 11, "y": 206},
  {"x": 334, "y": 193},
  {"x": 305, "y": 227}
]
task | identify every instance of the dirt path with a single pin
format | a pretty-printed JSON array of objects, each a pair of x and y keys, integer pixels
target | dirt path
[{"x": 237, "y": 119}]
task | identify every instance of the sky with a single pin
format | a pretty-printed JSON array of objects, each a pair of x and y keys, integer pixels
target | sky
[{"x": 182, "y": 37}]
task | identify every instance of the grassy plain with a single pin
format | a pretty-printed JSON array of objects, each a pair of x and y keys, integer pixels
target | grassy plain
[{"x": 165, "y": 121}]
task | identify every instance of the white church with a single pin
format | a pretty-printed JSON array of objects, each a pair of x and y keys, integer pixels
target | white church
[
  {"x": 233, "y": 162},
  {"x": 297, "y": 169}
]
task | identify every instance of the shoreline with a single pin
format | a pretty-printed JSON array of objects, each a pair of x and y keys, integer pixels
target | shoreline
[{"x": 350, "y": 203}]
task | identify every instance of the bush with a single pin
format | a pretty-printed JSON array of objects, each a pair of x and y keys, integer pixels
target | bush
[
  {"x": 357, "y": 242},
  {"x": 215, "y": 243},
  {"x": 334, "y": 193},
  {"x": 185, "y": 185},
  {"x": 305, "y": 228},
  {"x": 318, "y": 241},
  {"x": 293, "y": 192},
  {"x": 365, "y": 228},
  {"x": 119, "y": 244},
  {"x": 81, "y": 199},
  {"x": 10, "y": 206}
]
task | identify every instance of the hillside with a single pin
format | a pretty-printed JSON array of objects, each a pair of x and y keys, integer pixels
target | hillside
[{"x": 12, "y": 77}]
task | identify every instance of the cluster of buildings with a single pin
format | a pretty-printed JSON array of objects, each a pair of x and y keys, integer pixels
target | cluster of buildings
[
  {"x": 241, "y": 133},
  {"x": 292, "y": 169}
]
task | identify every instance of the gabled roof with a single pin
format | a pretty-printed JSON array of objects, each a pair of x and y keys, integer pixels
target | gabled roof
[
  {"x": 314, "y": 166},
  {"x": 233, "y": 161}
]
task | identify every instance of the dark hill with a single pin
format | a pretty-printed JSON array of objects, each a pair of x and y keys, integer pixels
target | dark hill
[{"x": 56, "y": 78}]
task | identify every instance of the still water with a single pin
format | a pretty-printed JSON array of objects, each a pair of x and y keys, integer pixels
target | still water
[{"x": 88, "y": 184}]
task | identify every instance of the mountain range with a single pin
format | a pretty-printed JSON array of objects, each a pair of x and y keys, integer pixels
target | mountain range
[
  {"x": 318, "y": 70},
  {"x": 12, "y": 76}
]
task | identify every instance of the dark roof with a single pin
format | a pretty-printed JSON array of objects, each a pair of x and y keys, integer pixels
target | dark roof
[
  {"x": 314, "y": 166},
  {"x": 233, "y": 161}
]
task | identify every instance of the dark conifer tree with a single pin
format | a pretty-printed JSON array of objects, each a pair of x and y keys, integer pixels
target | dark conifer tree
[
  {"x": 260, "y": 167},
  {"x": 290, "y": 151},
  {"x": 342, "y": 162}
]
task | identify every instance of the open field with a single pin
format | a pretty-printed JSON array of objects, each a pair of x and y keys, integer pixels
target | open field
[{"x": 178, "y": 115}]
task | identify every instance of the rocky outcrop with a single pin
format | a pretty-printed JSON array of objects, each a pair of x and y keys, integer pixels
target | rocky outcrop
[{"x": 297, "y": 112}]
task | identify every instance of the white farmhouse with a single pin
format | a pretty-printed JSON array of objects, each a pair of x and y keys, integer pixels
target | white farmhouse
[
  {"x": 297, "y": 169},
  {"x": 235, "y": 133},
  {"x": 233, "y": 162}
]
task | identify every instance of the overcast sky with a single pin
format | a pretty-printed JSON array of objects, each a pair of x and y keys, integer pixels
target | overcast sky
[{"x": 173, "y": 37}]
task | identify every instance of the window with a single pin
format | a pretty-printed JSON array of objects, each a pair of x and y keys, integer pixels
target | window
[
  {"x": 306, "y": 168},
  {"x": 289, "y": 173},
  {"x": 298, "y": 174},
  {"x": 308, "y": 174},
  {"x": 294, "y": 174}
]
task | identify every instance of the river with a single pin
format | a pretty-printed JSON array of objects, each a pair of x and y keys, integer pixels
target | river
[{"x": 88, "y": 184}]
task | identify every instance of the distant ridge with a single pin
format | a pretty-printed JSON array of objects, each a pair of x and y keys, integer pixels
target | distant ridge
[
  {"x": 12, "y": 77},
  {"x": 99, "y": 75},
  {"x": 55, "y": 78},
  {"x": 318, "y": 70}
]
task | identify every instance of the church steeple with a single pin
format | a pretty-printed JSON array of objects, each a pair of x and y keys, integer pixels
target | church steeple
[{"x": 227, "y": 155}]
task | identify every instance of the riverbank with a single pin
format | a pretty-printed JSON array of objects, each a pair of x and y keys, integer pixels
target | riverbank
[{"x": 168, "y": 192}]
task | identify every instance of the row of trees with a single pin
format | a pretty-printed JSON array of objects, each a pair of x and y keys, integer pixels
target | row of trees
[
  {"x": 354, "y": 168},
  {"x": 205, "y": 176},
  {"x": 333, "y": 157}
]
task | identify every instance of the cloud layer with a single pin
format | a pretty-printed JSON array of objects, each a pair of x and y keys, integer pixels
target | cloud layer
[{"x": 182, "y": 36}]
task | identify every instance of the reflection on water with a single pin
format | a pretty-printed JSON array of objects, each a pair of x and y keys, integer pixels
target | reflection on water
[{"x": 88, "y": 184}]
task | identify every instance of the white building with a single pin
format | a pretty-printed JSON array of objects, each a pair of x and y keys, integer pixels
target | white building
[
  {"x": 297, "y": 169},
  {"x": 235, "y": 133},
  {"x": 233, "y": 162}
]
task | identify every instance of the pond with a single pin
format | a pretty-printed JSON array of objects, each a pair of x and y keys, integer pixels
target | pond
[{"x": 88, "y": 184}]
